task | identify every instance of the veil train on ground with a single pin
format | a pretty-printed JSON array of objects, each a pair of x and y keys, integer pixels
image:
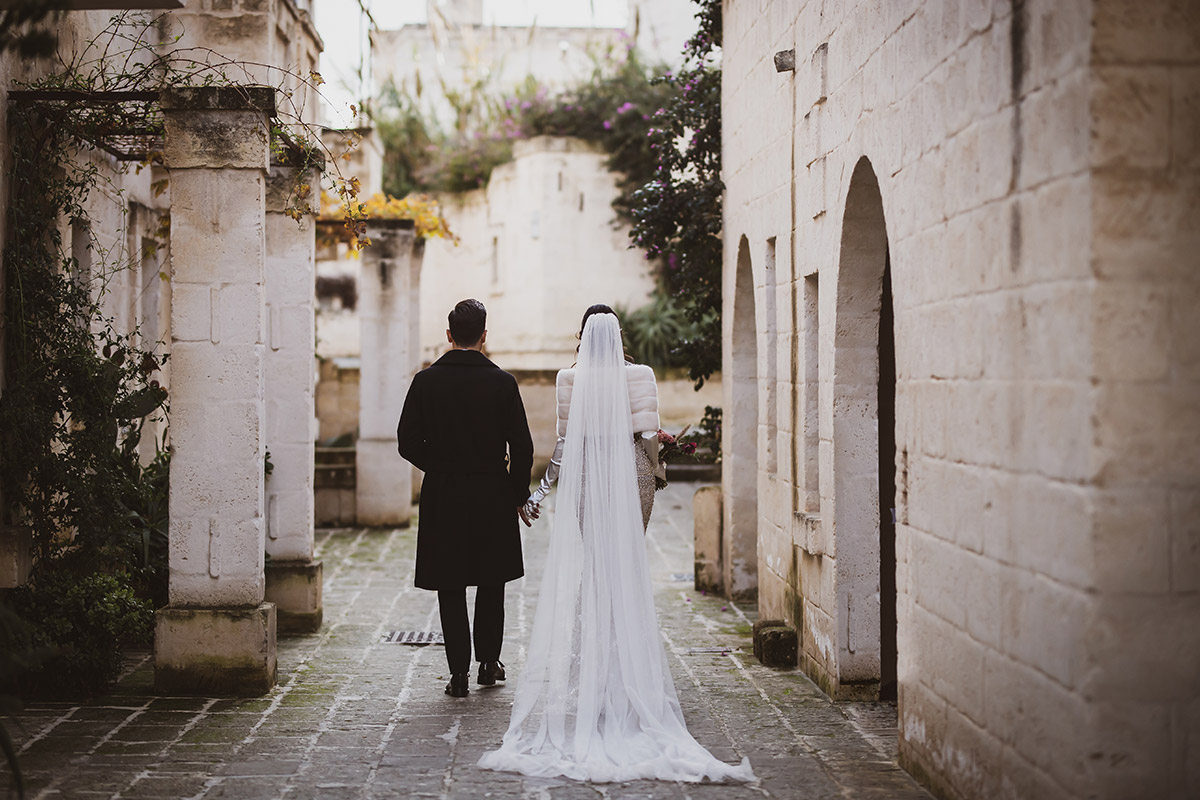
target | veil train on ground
[{"x": 595, "y": 700}]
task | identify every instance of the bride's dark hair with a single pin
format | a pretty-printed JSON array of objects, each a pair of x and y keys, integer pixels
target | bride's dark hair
[{"x": 598, "y": 308}]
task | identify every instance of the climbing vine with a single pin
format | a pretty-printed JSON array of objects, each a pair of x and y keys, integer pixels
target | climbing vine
[
  {"x": 79, "y": 391},
  {"x": 76, "y": 399},
  {"x": 677, "y": 214}
]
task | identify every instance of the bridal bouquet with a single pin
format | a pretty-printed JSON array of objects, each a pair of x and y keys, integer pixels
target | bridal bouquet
[{"x": 673, "y": 448}]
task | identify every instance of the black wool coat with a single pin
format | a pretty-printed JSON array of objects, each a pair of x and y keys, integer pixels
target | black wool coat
[{"x": 461, "y": 416}]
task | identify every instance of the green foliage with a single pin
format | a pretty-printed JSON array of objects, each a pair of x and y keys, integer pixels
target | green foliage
[
  {"x": 677, "y": 214},
  {"x": 420, "y": 157},
  {"x": 147, "y": 503},
  {"x": 81, "y": 619},
  {"x": 707, "y": 436},
  {"x": 77, "y": 393},
  {"x": 77, "y": 396},
  {"x": 465, "y": 164},
  {"x": 407, "y": 143},
  {"x": 653, "y": 332},
  {"x": 612, "y": 108}
]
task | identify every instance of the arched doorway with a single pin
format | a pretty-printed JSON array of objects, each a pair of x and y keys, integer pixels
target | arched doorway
[
  {"x": 864, "y": 421},
  {"x": 739, "y": 541}
]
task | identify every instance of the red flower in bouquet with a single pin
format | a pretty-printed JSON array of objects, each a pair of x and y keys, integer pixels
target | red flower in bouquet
[{"x": 672, "y": 448}]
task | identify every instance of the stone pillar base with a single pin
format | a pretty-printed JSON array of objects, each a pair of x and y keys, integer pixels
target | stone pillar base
[
  {"x": 383, "y": 484},
  {"x": 775, "y": 644},
  {"x": 15, "y": 557},
  {"x": 215, "y": 651},
  {"x": 706, "y": 526},
  {"x": 295, "y": 589}
]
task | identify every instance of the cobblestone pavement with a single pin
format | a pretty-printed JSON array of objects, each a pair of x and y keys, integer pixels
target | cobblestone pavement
[{"x": 352, "y": 717}]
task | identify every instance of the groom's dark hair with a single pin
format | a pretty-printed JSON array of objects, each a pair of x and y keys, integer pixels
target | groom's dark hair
[{"x": 467, "y": 321}]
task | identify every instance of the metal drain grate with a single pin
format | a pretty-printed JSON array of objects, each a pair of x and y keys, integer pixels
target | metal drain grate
[
  {"x": 696, "y": 651},
  {"x": 683, "y": 577},
  {"x": 412, "y": 637}
]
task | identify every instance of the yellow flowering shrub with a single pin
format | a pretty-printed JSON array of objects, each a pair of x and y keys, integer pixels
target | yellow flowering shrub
[{"x": 423, "y": 209}]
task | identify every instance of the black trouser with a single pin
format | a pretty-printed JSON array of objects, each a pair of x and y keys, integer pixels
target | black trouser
[{"x": 489, "y": 625}]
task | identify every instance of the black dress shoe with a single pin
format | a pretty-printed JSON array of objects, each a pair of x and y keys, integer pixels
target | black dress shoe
[
  {"x": 457, "y": 687},
  {"x": 490, "y": 672}
]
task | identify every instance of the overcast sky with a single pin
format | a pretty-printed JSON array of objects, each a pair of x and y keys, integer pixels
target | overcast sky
[{"x": 343, "y": 27}]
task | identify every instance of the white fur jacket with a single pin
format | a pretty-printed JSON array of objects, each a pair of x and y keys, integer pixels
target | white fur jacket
[
  {"x": 643, "y": 397},
  {"x": 643, "y": 405}
]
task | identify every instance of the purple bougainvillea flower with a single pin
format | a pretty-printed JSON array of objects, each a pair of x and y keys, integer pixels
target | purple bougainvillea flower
[{"x": 608, "y": 125}]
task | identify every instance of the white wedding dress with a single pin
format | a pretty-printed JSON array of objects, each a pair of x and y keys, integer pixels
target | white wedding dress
[{"x": 596, "y": 701}]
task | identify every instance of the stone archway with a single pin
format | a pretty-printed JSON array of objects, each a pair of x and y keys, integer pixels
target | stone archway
[
  {"x": 864, "y": 445},
  {"x": 739, "y": 541}
]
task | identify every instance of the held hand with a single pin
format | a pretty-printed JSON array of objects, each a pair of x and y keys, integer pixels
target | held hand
[{"x": 523, "y": 513}]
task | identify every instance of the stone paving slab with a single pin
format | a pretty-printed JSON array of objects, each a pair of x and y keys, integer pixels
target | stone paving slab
[{"x": 352, "y": 717}]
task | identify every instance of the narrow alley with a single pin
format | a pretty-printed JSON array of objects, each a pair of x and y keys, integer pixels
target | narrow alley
[{"x": 353, "y": 716}]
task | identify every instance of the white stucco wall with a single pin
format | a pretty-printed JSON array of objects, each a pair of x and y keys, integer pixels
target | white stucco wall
[{"x": 538, "y": 247}]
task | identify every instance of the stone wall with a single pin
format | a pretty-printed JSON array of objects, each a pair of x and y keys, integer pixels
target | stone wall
[
  {"x": 1143, "y": 635},
  {"x": 337, "y": 398},
  {"x": 1021, "y": 176},
  {"x": 274, "y": 43},
  {"x": 538, "y": 247}
]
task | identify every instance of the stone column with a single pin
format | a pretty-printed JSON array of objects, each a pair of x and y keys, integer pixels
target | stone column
[
  {"x": 217, "y": 636},
  {"x": 293, "y": 578},
  {"x": 388, "y": 296}
]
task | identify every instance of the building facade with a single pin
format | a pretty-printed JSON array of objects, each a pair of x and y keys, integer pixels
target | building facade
[{"x": 961, "y": 391}]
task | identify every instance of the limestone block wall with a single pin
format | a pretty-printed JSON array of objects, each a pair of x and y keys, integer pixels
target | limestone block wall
[
  {"x": 538, "y": 247},
  {"x": 388, "y": 292},
  {"x": 1023, "y": 175},
  {"x": 217, "y": 404},
  {"x": 1143, "y": 640},
  {"x": 336, "y": 398},
  {"x": 271, "y": 42},
  {"x": 289, "y": 371}
]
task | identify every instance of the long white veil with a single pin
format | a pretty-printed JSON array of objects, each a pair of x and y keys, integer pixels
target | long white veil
[{"x": 596, "y": 700}]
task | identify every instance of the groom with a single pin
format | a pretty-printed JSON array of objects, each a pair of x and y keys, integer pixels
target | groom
[{"x": 461, "y": 416}]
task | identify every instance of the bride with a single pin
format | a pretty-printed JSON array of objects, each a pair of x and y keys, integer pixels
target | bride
[{"x": 596, "y": 701}]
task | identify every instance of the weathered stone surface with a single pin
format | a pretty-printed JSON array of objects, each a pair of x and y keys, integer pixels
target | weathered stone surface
[
  {"x": 215, "y": 651},
  {"x": 15, "y": 557},
  {"x": 354, "y": 716},
  {"x": 289, "y": 389},
  {"x": 389, "y": 294},
  {"x": 217, "y": 127},
  {"x": 295, "y": 587},
  {"x": 706, "y": 524},
  {"x": 1024, "y": 174},
  {"x": 775, "y": 643}
]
